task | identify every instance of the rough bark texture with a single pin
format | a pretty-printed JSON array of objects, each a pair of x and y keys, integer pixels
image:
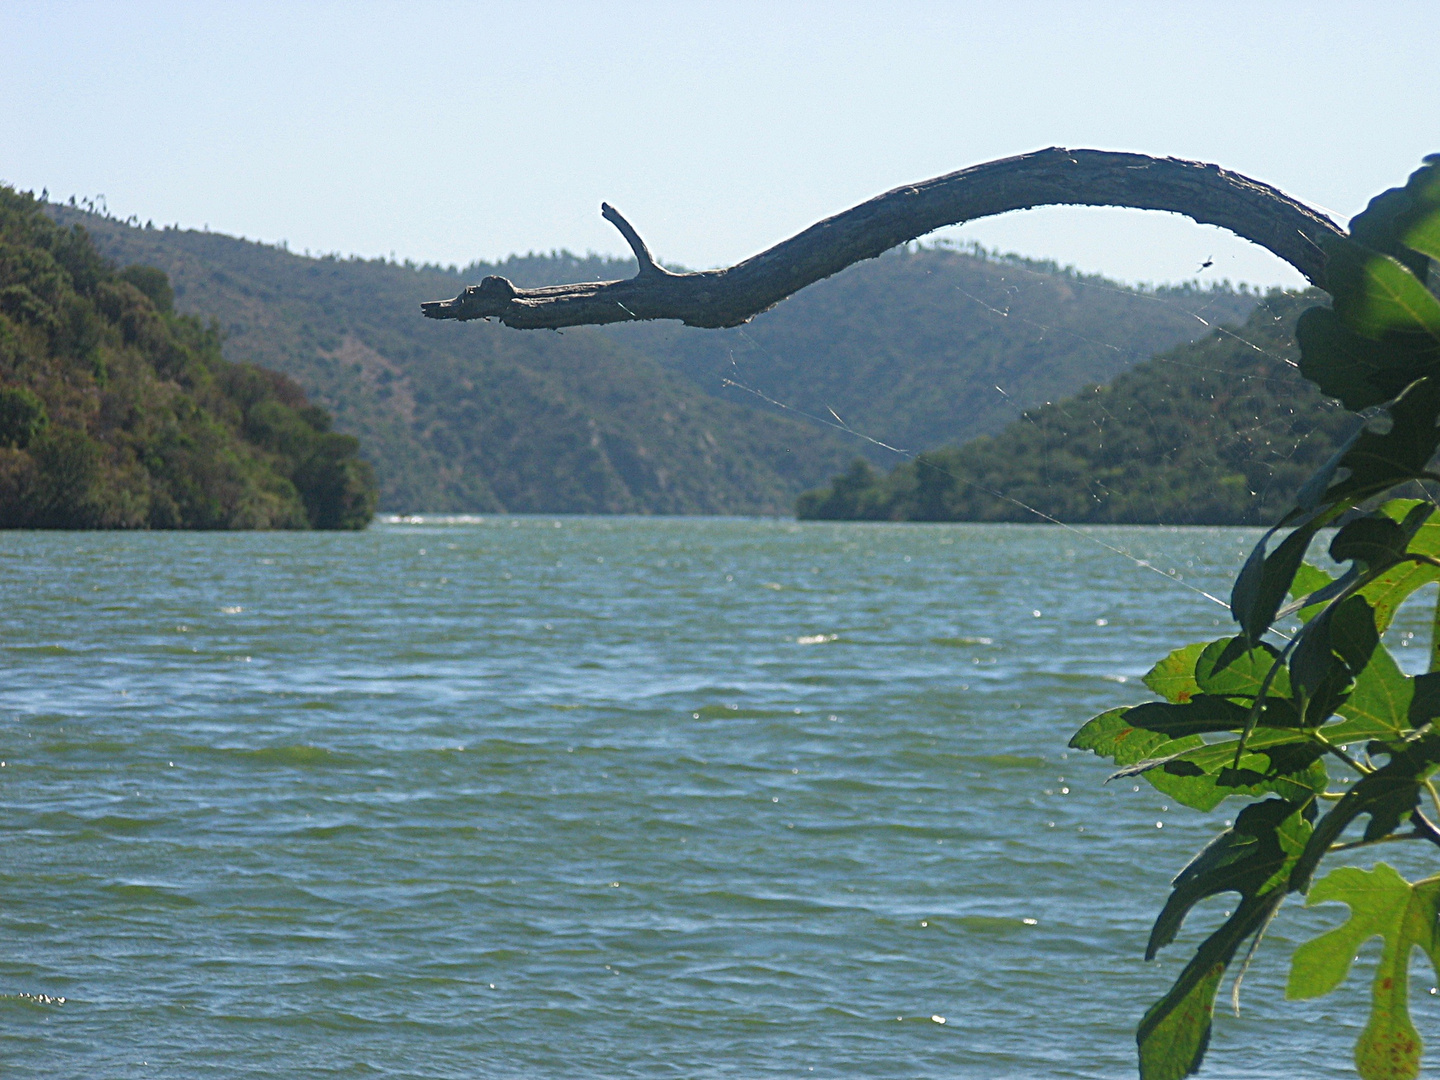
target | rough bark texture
[{"x": 715, "y": 298}]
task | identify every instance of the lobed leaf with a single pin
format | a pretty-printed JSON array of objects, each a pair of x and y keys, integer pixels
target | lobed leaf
[
  {"x": 1248, "y": 858},
  {"x": 1385, "y": 905},
  {"x": 1111, "y": 735},
  {"x": 1175, "y": 1031},
  {"x": 1298, "y": 779},
  {"x": 1382, "y": 697},
  {"x": 1287, "y": 763},
  {"x": 1388, "y": 795}
]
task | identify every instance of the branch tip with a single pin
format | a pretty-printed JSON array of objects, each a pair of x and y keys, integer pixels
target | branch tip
[{"x": 643, "y": 257}]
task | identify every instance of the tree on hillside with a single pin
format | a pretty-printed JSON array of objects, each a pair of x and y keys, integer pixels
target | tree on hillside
[
  {"x": 118, "y": 413},
  {"x": 1303, "y": 687}
]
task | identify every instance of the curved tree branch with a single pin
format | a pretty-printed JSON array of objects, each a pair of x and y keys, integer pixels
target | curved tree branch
[
  {"x": 714, "y": 298},
  {"x": 648, "y": 267}
]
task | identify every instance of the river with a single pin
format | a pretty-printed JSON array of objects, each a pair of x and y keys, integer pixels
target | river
[{"x": 605, "y": 797}]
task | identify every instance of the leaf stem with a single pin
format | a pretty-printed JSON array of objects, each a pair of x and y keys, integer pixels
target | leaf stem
[
  {"x": 1425, "y": 828},
  {"x": 1391, "y": 837},
  {"x": 1339, "y": 751},
  {"x": 1258, "y": 705},
  {"x": 1249, "y": 956}
]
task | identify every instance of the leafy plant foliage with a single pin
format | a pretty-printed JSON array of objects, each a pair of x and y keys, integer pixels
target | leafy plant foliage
[
  {"x": 115, "y": 412},
  {"x": 1266, "y": 715}
]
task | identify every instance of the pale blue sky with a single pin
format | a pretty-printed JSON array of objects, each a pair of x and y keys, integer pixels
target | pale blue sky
[{"x": 449, "y": 132}]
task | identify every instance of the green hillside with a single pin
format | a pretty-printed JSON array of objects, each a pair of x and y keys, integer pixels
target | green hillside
[
  {"x": 929, "y": 346},
  {"x": 115, "y": 412},
  {"x": 478, "y": 417},
  {"x": 1218, "y": 432}
]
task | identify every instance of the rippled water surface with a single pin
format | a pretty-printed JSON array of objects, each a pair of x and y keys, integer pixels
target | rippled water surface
[{"x": 601, "y": 798}]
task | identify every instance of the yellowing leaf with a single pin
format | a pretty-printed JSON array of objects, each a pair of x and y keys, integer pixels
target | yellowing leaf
[{"x": 1385, "y": 905}]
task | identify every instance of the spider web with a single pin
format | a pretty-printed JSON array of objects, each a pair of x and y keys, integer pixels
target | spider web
[{"x": 1270, "y": 440}]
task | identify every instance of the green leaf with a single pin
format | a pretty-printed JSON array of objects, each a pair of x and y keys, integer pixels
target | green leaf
[
  {"x": 1174, "y": 677},
  {"x": 1377, "y": 539},
  {"x": 1248, "y": 858},
  {"x": 1392, "y": 588},
  {"x": 1203, "y": 784},
  {"x": 1203, "y": 715},
  {"x": 1382, "y": 697},
  {"x": 1376, "y": 294},
  {"x": 1110, "y": 735},
  {"x": 1287, "y": 763},
  {"x": 1381, "y": 459},
  {"x": 1407, "y": 217},
  {"x": 1359, "y": 371},
  {"x": 1228, "y": 667},
  {"x": 1176, "y": 1030},
  {"x": 1384, "y": 905},
  {"x": 1401, "y": 509},
  {"x": 1331, "y": 650},
  {"x": 1362, "y": 728},
  {"x": 1419, "y": 226},
  {"x": 1387, "y": 592},
  {"x": 1265, "y": 580},
  {"x": 1296, "y": 777},
  {"x": 1312, "y": 587},
  {"x": 1309, "y": 579},
  {"x": 1388, "y": 795}
]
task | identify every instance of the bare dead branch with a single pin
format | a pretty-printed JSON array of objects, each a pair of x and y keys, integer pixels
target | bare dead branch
[
  {"x": 646, "y": 262},
  {"x": 714, "y": 298}
]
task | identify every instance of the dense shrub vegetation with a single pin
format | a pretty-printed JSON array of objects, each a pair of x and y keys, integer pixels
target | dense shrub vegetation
[
  {"x": 1217, "y": 432},
  {"x": 116, "y": 412}
]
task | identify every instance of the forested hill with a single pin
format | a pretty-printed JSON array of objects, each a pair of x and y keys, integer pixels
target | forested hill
[
  {"x": 115, "y": 412},
  {"x": 477, "y": 417},
  {"x": 1219, "y": 432},
  {"x": 932, "y": 345}
]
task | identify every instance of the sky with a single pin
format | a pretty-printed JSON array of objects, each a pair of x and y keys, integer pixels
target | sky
[{"x": 448, "y": 133}]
